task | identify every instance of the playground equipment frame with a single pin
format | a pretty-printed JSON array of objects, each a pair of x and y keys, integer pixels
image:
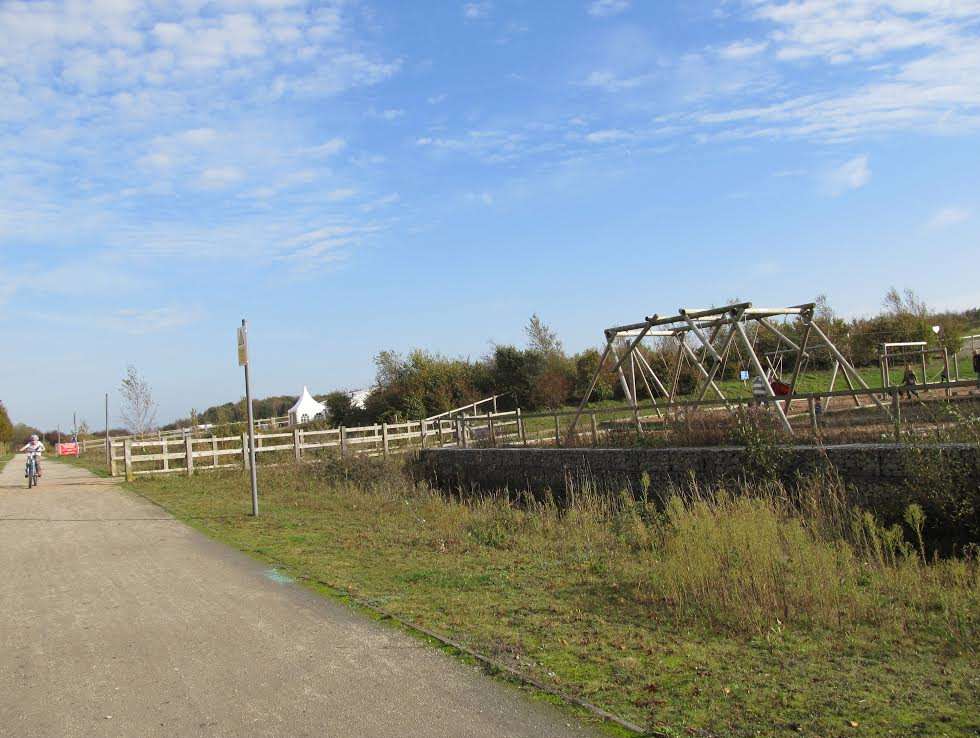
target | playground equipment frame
[{"x": 714, "y": 331}]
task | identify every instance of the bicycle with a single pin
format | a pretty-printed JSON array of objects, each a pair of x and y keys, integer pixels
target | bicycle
[{"x": 30, "y": 470}]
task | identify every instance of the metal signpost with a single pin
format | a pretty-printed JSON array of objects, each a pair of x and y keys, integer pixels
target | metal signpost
[
  {"x": 243, "y": 361},
  {"x": 108, "y": 444}
]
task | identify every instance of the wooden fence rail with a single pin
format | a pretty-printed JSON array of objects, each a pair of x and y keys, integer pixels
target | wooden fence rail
[
  {"x": 189, "y": 454},
  {"x": 131, "y": 457}
]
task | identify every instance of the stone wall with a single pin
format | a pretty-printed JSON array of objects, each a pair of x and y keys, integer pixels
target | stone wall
[{"x": 535, "y": 469}]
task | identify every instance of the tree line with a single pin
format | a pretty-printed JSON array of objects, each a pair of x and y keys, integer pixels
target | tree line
[
  {"x": 543, "y": 375},
  {"x": 539, "y": 375}
]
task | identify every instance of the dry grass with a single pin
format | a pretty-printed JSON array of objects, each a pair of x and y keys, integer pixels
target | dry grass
[{"x": 727, "y": 612}]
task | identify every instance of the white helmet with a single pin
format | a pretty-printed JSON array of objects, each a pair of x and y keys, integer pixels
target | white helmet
[{"x": 33, "y": 436}]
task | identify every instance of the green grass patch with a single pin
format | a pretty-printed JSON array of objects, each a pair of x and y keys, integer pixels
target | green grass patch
[{"x": 728, "y": 615}]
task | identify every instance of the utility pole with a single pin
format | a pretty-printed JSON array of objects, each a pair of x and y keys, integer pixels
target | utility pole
[
  {"x": 108, "y": 446},
  {"x": 243, "y": 361},
  {"x": 74, "y": 426}
]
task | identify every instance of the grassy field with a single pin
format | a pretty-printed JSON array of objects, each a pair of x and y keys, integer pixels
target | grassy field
[{"x": 718, "y": 616}]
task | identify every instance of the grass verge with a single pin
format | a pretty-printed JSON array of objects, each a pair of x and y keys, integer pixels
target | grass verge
[{"x": 710, "y": 615}]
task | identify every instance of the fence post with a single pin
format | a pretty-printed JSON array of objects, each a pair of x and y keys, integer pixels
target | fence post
[
  {"x": 461, "y": 432},
  {"x": 439, "y": 430},
  {"x": 245, "y": 450},
  {"x": 128, "y": 459},
  {"x": 189, "y": 451},
  {"x": 521, "y": 431},
  {"x": 297, "y": 451},
  {"x": 163, "y": 447},
  {"x": 595, "y": 430},
  {"x": 897, "y": 415},
  {"x": 214, "y": 450},
  {"x": 384, "y": 439},
  {"x": 112, "y": 459},
  {"x": 343, "y": 440},
  {"x": 422, "y": 432},
  {"x": 492, "y": 432},
  {"x": 557, "y": 431}
]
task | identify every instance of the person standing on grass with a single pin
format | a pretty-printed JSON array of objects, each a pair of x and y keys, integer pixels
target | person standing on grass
[{"x": 908, "y": 379}]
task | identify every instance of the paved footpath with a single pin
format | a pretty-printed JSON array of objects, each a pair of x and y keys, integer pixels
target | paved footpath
[{"x": 117, "y": 620}]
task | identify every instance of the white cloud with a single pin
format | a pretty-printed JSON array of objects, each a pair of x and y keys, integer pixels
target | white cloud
[
  {"x": 324, "y": 246},
  {"x": 328, "y": 148},
  {"x": 949, "y": 216},
  {"x": 613, "y": 82},
  {"x": 483, "y": 198},
  {"x": 611, "y": 135},
  {"x": 740, "y": 50},
  {"x": 343, "y": 193},
  {"x": 605, "y": 8},
  {"x": 141, "y": 321},
  {"x": 381, "y": 202},
  {"x": 841, "y": 31},
  {"x": 217, "y": 178},
  {"x": 926, "y": 75},
  {"x": 477, "y": 10},
  {"x": 853, "y": 174}
]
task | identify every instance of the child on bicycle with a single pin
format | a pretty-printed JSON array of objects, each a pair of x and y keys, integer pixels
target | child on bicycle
[{"x": 34, "y": 446}]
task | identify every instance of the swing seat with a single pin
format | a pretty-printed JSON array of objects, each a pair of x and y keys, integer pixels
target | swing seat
[{"x": 780, "y": 389}]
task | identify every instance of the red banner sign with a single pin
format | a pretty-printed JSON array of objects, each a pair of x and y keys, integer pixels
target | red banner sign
[{"x": 66, "y": 449}]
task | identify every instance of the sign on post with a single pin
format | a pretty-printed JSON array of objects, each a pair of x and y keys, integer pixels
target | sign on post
[{"x": 242, "y": 346}]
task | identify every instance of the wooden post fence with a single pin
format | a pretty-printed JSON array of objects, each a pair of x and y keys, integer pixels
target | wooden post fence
[{"x": 128, "y": 459}]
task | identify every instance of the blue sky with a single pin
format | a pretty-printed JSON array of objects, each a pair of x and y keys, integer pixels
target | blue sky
[{"x": 365, "y": 174}]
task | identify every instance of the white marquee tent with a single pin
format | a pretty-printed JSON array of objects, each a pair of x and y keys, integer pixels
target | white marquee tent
[{"x": 306, "y": 409}]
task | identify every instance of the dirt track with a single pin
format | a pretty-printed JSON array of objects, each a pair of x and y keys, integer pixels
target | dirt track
[{"x": 117, "y": 620}]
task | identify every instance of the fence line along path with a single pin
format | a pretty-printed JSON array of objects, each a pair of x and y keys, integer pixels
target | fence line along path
[
  {"x": 896, "y": 419},
  {"x": 132, "y": 457}
]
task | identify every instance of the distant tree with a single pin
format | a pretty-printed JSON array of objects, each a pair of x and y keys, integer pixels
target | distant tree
[
  {"x": 138, "y": 410},
  {"x": 83, "y": 429},
  {"x": 342, "y": 410},
  {"x": 553, "y": 386},
  {"x": 515, "y": 372},
  {"x": 6, "y": 427},
  {"x": 586, "y": 365},
  {"x": 904, "y": 303},
  {"x": 541, "y": 338},
  {"x": 22, "y": 432}
]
